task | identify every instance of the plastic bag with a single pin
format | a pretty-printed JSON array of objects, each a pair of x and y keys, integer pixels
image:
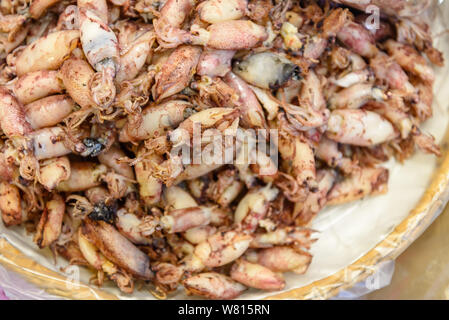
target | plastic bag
[{"x": 13, "y": 286}]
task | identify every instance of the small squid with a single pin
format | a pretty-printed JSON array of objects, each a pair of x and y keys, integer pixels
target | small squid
[
  {"x": 266, "y": 70},
  {"x": 9, "y": 43},
  {"x": 359, "y": 127},
  {"x": 10, "y": 204},
  {"x": 230, "y": 35},
  {"x": 48, "y": 111},
  {"x": 256, "y": 276},
  {"x": 401, "y": 8},
  {"x": 364, "y": 182},
  {"x": 355, "y": 77},
  {"x": 50, "y": 224},
  {"x": 68, "y": 19},
  {"x": 410, "y": 60},
  {"x": 49, "y": 143},
  {"x": 83, "y": 175},
  {"x": 177, "y": 198},
  {"x": 307, "y": 115},
  {"x": 98, "y": 7},
  {"x": 250, "y": 108},
  {"x": 48, "y": 52},
  {"x": 36, "y": 85},
  {"x": 53, "y": 171},
  {"x": 328, "y": 151},
  {"x": 390, "y": 72},
  {"x": 355, "y": 96},
  {"x": 358, "y": 39},
  {"x": 282, "y": 259},
  {"x": 38, "y": 7},
  {"x": 12, "y": 115},
  {"x": 222, "y": 118},
  {"x": 213, "y": 11},
  {"x": 138, "y": 230},
  {"x": 167, "y": 274},
  {"x": 180, "y": 220},
  {"x": 100, "y": 45},
  {"x": 223, "y": 190},
  {"x": 132, "y": 61},
  {"x": 215, "y": 63},
  {"x": 116, "y": 248},
  {"x": 177, "y": 71},
  {"x": 282, "y": 236},
  {"x": 150, "y": 188},
  {"x": 268, "y": 101},
  {"x": 76, "y": 75},
  {"x": 111, "y": 158},
  {"x": 154, "y": 121},
  {"x": 222, "y": 248},
  {"x": 423, "y": 107},
  {"x": 194, "y": 171},
  {"x": 213, "y": 285},
  {"x": 97, "y": 260},
  {"x": 254, "y": 207},
  {"x": 121, "y": 177},
  {"x": 168, "y": 25},
  {"x": 396, "y": 115}
]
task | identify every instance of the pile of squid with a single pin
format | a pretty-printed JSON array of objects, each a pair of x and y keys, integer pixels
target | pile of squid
[{"x": 96, "y": 96}]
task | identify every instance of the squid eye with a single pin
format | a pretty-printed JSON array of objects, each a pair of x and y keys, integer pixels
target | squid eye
[
  {"x": 103, "y": 212},
  {"x": 93, "y": 147}
]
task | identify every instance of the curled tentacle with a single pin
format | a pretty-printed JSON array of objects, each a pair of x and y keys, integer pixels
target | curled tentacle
[{"x": 102, "y": 88}]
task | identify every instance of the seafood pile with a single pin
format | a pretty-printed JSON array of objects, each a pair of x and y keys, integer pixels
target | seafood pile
[{"x": 99, "y": 101}]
